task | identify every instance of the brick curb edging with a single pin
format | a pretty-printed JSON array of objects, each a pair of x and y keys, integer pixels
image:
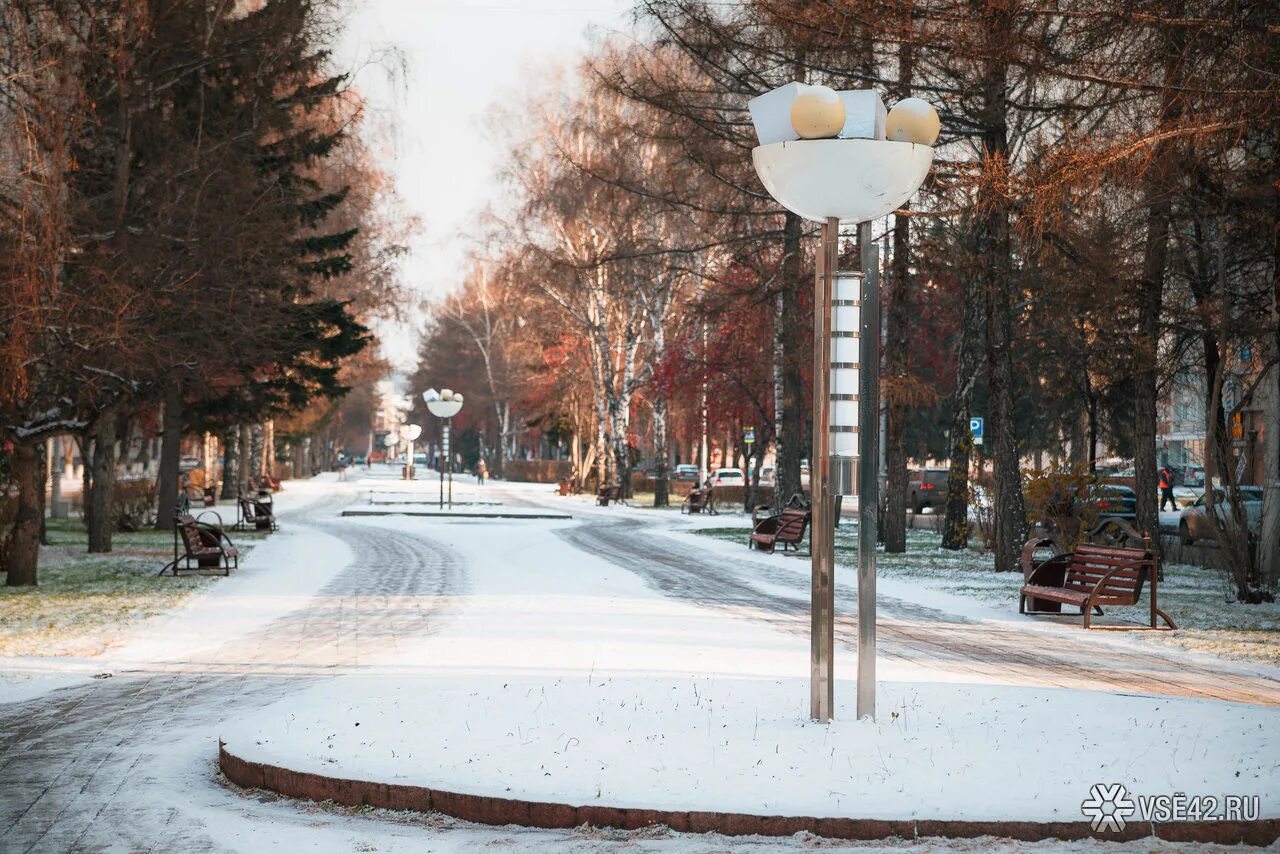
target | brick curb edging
[{"x": 485, "y": 809}]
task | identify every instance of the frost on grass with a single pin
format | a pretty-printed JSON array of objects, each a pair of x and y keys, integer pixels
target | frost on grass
[
  {"x": 84, "y": 604},
  {"x": 1198, "y": 598}
]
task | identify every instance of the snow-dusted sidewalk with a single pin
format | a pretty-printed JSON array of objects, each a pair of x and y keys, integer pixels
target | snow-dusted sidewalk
[{"x": 564, "y": 678}]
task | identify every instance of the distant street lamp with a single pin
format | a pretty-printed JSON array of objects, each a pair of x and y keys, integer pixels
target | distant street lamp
[
  {"x": 835, "y": 157},
  {"x": 444, "y": 405},
  {"x": 411, "y": 433}
]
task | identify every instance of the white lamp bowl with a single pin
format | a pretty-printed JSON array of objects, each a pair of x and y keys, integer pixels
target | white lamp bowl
[
  {"x": 853, "y": 180},
  {"x": 444, "y": 408},
  {"x": 412, "y": 432}
]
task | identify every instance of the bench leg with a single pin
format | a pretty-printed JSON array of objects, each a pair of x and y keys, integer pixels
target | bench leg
[{"x": 1163, "y": 616}]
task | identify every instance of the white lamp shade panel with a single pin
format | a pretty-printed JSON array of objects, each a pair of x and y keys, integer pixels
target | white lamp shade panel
[
  {"x": 844, "y": 381},
  {"x": 844, "y": 413},
  {"x": 844, "y": 351},
  {"x": 412, "y": 432},
  {"x": 444, "y": 408},
  {"x": 844, "y": 445},
  {"x": 864, "y": 114},
  {"x": 853, "y": 180}
]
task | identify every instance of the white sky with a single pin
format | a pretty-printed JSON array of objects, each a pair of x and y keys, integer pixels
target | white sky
[{"x": 460, "y": 57}]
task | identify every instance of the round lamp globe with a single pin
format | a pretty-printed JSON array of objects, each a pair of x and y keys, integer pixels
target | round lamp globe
[
  {"x": 817, "y": 113},
  {"x": 913, "y": 120}
]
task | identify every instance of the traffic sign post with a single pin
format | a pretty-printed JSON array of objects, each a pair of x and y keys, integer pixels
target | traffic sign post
[
  {"x": 748, "y": 435},
  {"x": 975, "y": 427}
]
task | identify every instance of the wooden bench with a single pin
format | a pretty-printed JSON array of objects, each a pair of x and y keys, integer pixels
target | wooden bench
[
  {"x": 787, "y": 528},
  {"x": 609, "y": 493},
  {"x": 700, "y": 500},
  {"x": 1089, "y": 577},
  {"x": 200, "y": 546},
  {"x": 253, "y": 513}
]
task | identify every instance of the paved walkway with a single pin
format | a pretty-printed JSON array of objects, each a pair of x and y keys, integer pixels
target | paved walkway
[
  {"x": 126, "y": 763},
  {"x": 76, "y": 766},
  {"x": 910, "y": 632}
]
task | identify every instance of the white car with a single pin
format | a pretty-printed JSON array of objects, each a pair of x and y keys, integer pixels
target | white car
[{"x": 728, "y": 477}]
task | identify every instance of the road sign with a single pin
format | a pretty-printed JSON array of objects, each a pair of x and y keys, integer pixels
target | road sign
[
  {"x": 748, "y": 435},
  {"x": 975, "y": 427}
]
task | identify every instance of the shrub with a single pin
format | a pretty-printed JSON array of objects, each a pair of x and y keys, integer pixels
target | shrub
[
  {"x": 133, "y": 505},
  {"x": 1058, "y": 500}
]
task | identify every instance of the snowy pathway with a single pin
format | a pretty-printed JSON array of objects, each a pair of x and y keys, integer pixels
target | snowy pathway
[
  {"x": 127, "y": 762},
  {"x": 119, "y": 763},
  {"x": 769, "y": 588}
]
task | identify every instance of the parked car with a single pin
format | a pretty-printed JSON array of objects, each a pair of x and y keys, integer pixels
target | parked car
[
  {"x": 1114, "y": 501},
  {"x": 1194, "y": 522},
  {"x": 687, "y": 472},
  {"x": 728, "y": 477},
  {"x": 927, "y": 488}
]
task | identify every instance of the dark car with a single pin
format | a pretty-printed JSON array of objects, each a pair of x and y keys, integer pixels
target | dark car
[
  {"x": 687, "y": 472},
  {"x": 1114, "y": 501},
  {"x": 927, "y": 488}
]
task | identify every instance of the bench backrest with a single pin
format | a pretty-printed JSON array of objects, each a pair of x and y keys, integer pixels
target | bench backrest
[
  {"x": 193, "y": 539},
  {"x": 1089, "y": 564},
  {"x": 791, "y": 525}
]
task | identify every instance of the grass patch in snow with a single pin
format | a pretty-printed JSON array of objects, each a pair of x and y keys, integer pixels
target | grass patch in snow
[
  {"x": 1197, "y": 598},
  {"x": 85, "y": 603}
]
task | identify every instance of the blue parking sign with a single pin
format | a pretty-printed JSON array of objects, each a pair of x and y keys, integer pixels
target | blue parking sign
[{"x": 975, "y": 427}]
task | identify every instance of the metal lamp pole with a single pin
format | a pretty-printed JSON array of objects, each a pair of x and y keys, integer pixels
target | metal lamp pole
[
  {"x": 843, "y": 170},
  {"x": 444, "y": 405}
]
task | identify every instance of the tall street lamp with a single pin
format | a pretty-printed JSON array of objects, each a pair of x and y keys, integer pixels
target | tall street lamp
[
  {"x": 411, "y": 432},
  {"x": 835, "y": 157},
  {"x": 444, "y": 405}
]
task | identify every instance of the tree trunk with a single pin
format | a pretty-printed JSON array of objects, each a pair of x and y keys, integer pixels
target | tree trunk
[
  {"x": 257, "y": 452},
  {"x": 1269, "y": 530},
  {"x": 22, "y": 551},
  {"x": 995, "y": 264},
  {"x": 170, "y": 455},
  {"x": 230, "y": 463},
  {"x": 661, "y": 497},
  {"x": 245, "y": 440},
  {"x": 796, "y": 326},
  {"x": 955, "y": 531},
  {"x": 102, "y": 518},
  {"x": 56, "y": 468},
  {"x": 1157, "y": 184},
  {"x": 85, "y": 441},
  {"x": 897, "y": 372},
  {"x": 268, "y": 447}
]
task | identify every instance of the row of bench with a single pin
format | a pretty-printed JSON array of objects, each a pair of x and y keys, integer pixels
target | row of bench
[{"x": 204, "y": 546}]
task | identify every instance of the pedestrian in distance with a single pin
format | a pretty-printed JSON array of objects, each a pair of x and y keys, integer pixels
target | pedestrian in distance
[
  {"x": 482, "y": 472},
  {"x": 1166, "y": 489}
]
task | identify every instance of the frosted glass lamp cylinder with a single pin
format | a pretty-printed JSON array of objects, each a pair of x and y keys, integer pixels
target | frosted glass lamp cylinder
[{"x": 845, "y": 352}]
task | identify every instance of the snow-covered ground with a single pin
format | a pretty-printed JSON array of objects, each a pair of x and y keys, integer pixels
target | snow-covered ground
[
  {"x": 564, "y": 678},
  {"x": 561, "y": 658}
]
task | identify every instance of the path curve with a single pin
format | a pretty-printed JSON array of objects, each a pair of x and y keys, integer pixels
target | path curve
[
  {"x": 907, "y": 631},
  {"x": 75, "y": 763}
]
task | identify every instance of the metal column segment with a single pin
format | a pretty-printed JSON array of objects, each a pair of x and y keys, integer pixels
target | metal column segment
[
  {"x": 822, "y": 539},
  {"x": 869, "y": 475}
]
